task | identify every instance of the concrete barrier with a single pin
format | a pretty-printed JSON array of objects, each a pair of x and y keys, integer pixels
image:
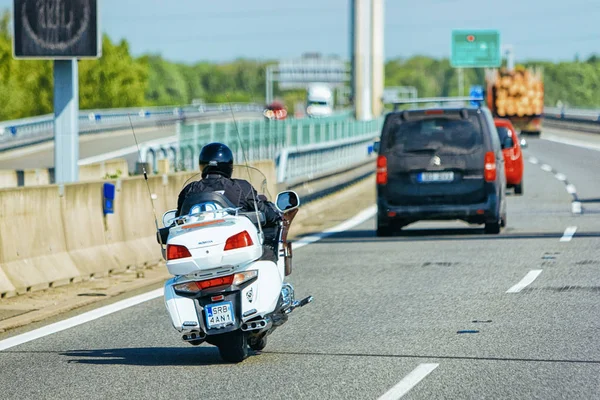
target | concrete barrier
[
  {"x": 164, "y": 167},
  {"x": 91, "y": 172},
  {"x": 118, "y": 167},
  {"x": 6, "y": 287},
  {"x": 111, "y": 169},
  {"x": 135, "y": 211},
  {"x": 115, "y": 234},
  {"x": 33, "y": 252},
  {"x": 36, "y": 177},
  {"x": 8, "y": 179},
  {"x": 85, "y": 230},
  {"x": 51, "y": 236}
]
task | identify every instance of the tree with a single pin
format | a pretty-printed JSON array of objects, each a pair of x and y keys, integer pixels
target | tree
[
  {"x": 166, "y": 83},
  {"x": 113, "y": 81}
]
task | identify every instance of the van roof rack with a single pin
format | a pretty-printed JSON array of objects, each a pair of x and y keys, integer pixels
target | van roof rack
[{"x": 479, "y": 100}]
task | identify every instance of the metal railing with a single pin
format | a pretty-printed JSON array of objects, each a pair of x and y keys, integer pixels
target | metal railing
[
  {"x": 28, "y": 131},
  {"x": 302, "y": 148},
  {"x": 573, "y": 114},
  {"x": 298, "y": 164}
]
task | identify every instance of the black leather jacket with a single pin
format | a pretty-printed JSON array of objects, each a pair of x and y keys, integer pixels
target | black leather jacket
[{"x": 238, "y": 191}]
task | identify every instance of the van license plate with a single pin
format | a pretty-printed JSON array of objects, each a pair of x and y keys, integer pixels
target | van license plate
[
  {"x": 219, "y": 314},
  {"x": 435, "y": 177}
]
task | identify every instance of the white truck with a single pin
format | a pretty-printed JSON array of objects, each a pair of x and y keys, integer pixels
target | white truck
[{"x": 319, "y": 100}]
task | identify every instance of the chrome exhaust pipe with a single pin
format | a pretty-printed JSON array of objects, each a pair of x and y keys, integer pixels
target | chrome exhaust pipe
[
  {"x": 254, "y": 325},
  {"x": 200, "y": 335}
]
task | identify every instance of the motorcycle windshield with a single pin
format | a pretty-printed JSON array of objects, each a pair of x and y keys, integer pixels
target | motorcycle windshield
[{"x": 257, "y": 179}]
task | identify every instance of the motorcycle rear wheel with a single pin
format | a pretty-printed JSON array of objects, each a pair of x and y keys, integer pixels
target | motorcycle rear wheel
[
  {"x": 259, "y": 344},
  {"x": 233, "y": 347}
]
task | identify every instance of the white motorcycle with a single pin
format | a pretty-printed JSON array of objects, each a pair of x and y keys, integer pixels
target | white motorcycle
[{"x": 223, "y": 292}]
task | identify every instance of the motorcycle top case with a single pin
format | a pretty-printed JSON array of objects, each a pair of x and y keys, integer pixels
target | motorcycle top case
[{"x": 206, "y": 241}]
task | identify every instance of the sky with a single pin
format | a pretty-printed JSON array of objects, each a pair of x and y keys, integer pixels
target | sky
[{"x": 202, "y": 30}]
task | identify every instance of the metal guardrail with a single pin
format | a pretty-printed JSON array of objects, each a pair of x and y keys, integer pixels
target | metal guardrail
[
  {"x": 28, "y": 131},
  {"x": 573, "y": 114},
  {"x": 299, "y": 164},
  {"x": 304, "y": 148}
]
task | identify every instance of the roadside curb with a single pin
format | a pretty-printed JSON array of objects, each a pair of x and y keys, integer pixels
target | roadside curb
[{"x": 69, "y": 305}]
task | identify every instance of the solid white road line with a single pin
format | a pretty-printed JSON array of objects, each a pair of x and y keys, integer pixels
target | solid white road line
[
  {"x": 408, "y": 382},
  {"x": 132, "y": 301},
  {"x": 568, "y": 235},
  {"x": 78, "y": 320},
  {"x": 572, "y": 142},
  {"x": 363, "y": 216},
  {"x": 528, "y": 280}
]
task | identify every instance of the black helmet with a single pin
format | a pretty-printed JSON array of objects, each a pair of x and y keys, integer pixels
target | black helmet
[{"x": 216, "y": 158}]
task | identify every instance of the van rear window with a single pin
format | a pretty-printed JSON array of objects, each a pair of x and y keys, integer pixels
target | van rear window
[{"x": 447, "y": 134}]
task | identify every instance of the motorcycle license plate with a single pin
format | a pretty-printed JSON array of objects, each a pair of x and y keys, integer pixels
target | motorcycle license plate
[{"x": 219, "y": 314}]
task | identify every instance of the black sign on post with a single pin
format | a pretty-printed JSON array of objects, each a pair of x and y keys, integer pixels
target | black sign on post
[{"x": 56, "y": 29}]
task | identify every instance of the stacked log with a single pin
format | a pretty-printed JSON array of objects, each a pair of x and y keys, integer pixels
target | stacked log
[{"x": 517, "y": 93}]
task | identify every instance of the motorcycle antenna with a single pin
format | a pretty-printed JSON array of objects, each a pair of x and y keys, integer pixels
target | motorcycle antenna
[
  {"x": 137, "y": 145},
  {"x": 237, "y": 131}
]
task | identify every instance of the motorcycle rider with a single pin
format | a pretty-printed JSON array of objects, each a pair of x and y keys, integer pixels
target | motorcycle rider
[{"x": 216, "y": 164}]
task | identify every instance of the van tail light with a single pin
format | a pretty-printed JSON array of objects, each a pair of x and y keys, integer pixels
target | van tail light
[
  {"x": 382, "y": 175},
  {"x": 489, "y": 170},
  {"x": 175, "y": 252},
  {"x": 238, "y": 241}
]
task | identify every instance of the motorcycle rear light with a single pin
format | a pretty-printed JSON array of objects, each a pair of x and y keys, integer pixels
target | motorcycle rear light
[
  {"x": 489, "y": 170},
  {"x": 382, "y": 176},
  {"x": 245, "y": 276},
  {"x": 175, "y": 252},
  {"x": 235, "y": 279},
  {"x": 196, "y": 286},
  {"x": 238, "y": 241}
]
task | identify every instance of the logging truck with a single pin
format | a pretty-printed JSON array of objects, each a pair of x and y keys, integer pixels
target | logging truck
[{"x": 518, "y": 96}]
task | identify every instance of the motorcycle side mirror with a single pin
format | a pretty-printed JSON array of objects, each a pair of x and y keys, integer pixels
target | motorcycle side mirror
[
  {"x": 287, "y": 201},
  {"x": 168, "y": 217}
]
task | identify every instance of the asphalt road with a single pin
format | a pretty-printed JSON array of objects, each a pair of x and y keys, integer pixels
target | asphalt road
[
  {"x": 42, "y": 155},
  {"x": 385, "y": 310}
]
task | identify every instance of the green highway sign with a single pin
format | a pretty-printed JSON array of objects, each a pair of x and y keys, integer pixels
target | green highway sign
[{"x": 475, "y": 49}]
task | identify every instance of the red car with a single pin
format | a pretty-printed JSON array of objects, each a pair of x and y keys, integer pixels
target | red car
[
  {"x": 513, "y": 156},
  {"x": 275, "y": 111}
]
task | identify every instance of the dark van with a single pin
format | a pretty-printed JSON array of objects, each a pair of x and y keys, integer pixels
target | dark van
[{"x": 440, "y": 164}]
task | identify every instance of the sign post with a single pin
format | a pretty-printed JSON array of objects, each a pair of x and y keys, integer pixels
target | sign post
[
  {"x": 474, "y": 49},
  {"x": 63, "y": 31}
]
